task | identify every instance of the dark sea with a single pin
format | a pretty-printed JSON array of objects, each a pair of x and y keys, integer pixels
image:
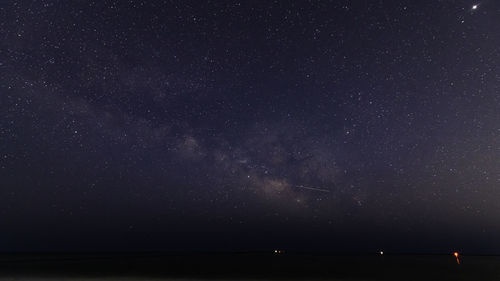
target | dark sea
[{"x": 246, "y": 266}]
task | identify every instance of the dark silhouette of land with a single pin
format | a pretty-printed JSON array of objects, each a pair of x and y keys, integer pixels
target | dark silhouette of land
[{"x": 244, "y": 266}]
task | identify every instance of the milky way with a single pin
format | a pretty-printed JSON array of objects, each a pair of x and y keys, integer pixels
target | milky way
[{"x": 185, "y": 125}]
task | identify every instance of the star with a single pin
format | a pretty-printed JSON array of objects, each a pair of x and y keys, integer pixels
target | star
[{"x": 474, "y": 7}]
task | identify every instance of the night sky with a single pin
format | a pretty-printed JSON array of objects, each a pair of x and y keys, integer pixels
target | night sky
[{"x": 344, "y": 126}]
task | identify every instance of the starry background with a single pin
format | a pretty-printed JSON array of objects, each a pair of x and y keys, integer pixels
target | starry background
[{"x": 222, "y": 125}]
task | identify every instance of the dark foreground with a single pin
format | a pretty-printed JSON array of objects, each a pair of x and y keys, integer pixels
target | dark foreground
[{"x": 247, "y": 266}]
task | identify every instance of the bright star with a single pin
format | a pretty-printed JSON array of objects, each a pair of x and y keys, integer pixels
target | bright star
[{"x": 474, "y": 7}]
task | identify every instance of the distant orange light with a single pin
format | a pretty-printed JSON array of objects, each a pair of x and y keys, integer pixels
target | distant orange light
[{"x": 456, "y": 256}]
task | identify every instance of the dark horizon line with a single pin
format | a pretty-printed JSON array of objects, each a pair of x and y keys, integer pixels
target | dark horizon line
[{"x": 145, "y": 254}]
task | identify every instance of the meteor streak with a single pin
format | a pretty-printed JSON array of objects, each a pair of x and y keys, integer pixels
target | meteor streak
[{"x": 313, "y": 188}]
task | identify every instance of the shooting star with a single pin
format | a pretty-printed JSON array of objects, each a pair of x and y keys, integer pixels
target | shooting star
[{"x": 312, "y": 188}]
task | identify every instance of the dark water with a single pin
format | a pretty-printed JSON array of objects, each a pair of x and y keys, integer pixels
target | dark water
[{"x": 246, "y": 266}]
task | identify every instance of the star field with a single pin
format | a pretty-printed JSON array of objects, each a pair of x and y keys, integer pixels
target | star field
[{"x": 245, "y": 125}]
